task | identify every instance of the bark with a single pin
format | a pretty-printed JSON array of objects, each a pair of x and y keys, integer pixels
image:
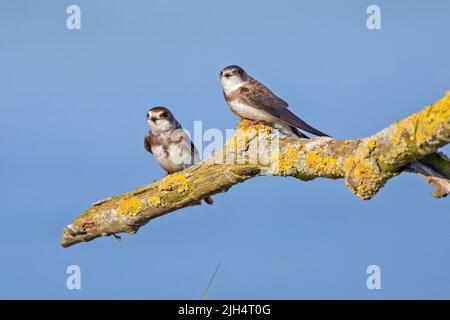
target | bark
[{"x": 365, "y": 165}]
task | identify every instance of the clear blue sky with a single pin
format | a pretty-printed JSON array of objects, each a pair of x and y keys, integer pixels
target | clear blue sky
[{"x": 72, "y": 121}]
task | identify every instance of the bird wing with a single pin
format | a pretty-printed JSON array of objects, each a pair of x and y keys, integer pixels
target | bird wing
[
  {"x": 181, "y": 136},
  {"x": 190, "y": 145},
  {"x": 148, "y": 142},
  {"x": 259, "y": 96},
  {"x": 194, "y": 153}
]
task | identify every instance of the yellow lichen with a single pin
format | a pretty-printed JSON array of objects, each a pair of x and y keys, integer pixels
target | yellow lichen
[
  {"x": 248, "y": 130},
  {"x": 130, "y": 207},
  {"x": 284, "y": 162},
  {"x": 155, "y": 201},
  {"x": 364, "y": 191},
  {"x": 370, "y": 145},
  {"x": 175, "y": 181},
  {"x": 361, "y": 172},
  {"x": 232, "y": 142},
  {"x": 320, "y": 165},
  {"x": 349, "y": 163},
  {"x": 432, "y": 118},
  {"x": 240, "y": 140},
  {"x": 250, "y": 126},
  {"x": 420, "y": 128},
  {"x": 404, "y": 131}
]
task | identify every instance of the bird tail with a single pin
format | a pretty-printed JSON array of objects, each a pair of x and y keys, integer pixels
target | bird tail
[
  {"x": 292, "y": 120},
  {"x": 306, "y": 127},
  {"x": 299, "y": 134},
  {"x": 208, "y": 200}
]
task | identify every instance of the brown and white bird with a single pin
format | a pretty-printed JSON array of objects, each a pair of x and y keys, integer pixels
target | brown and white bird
[
  {"x": 250, "y": 99},
  {"x": 169, "y": 143}
]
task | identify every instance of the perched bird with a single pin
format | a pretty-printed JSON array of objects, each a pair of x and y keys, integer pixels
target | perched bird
[
  {"x": 250, "y": 99},
  {"x": 169, "y": 143}
]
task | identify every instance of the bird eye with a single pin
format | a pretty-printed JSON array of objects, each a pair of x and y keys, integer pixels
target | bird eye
[
  {"x": 227, "y": 75},
  {"x": 164, "y": 115}
]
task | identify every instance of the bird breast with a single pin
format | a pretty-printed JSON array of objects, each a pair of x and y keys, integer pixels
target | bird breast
[
  {"x": 248, "y": 112},
  {"x": 175, "y": 153}
]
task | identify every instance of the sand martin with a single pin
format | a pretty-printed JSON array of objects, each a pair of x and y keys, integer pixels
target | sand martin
[
  {"x": 169, "y": 143},
  {"x": 250, "y": 99}
]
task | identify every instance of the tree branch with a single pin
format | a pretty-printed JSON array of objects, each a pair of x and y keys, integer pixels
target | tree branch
[
  {"x": 256, "y": 150},
  {"x": 435, "y": 169}
]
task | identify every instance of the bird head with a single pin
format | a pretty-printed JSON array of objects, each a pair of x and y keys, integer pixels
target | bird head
[
  {"x": 160, "y": 119},
  {"x": 232, "y": 77}
]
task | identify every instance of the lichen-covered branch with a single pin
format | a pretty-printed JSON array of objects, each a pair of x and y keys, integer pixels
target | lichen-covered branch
[{"x": 365, "y": 165}]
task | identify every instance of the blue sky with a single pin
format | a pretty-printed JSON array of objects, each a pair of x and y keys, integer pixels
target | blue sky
[{"x": 73, "y": 106}]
